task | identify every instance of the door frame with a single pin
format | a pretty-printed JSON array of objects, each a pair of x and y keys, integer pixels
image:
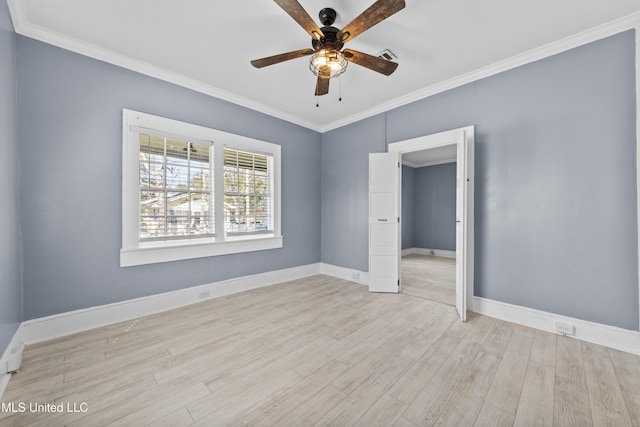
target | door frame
[{"x": 437, "y": 140}]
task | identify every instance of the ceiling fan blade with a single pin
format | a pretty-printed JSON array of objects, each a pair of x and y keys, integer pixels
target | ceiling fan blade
[
  {"x": 377, "y": 12},
  {"x": 297, "y": 12},
  {"x": 275, "y": 59},
  {"x": 322, "y": 86},
  {"x": 371, "y": 62}
]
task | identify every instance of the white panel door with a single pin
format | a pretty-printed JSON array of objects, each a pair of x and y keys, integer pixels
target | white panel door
[
  {"x": 464, "y": 220},
  {"x": 384, "y": 222}
]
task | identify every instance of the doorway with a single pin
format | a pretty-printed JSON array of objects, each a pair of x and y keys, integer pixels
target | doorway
[
  {"x": 385, "y": 193},
  {"x": 428, "y": 218}
]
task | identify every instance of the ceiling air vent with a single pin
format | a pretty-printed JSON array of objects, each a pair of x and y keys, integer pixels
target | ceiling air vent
[{"x": 388, "y": 55}]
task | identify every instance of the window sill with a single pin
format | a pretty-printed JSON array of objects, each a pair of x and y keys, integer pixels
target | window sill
[{"x": 175, "y": 251}]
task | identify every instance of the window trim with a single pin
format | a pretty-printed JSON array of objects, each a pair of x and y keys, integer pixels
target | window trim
[{"x": 134, "y": 252}]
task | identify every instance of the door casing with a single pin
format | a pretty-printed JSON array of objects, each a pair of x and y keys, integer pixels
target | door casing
[{"x": 462, "y": 138}]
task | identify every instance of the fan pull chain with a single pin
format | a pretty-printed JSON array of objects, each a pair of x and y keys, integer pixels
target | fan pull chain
[
  {"x": 317, "y": 101},
  {"x": 339, "y": 88}
]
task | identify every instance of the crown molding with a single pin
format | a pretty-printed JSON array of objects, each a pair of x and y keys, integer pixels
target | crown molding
[
  {"x": 23, "y": 27},
  {"x": 605, "y": 30}
]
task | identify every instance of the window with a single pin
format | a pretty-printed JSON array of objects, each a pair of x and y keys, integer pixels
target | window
[
  {"x": 247, "y": 192},
  {"x": 175, "y": 189},
  {"x": 191, "y": 192}
]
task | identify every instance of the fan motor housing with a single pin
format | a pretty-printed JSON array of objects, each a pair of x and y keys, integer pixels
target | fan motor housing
[{"x": 330, "y": 39}]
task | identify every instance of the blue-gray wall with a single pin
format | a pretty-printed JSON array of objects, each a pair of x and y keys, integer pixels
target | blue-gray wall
[
  {"x": 408, "y": 206},
  {"x": 345, "y": 190},
  {"x": 70, "y": 129},
  {"x": 10, "y": 259},
  {"x": 555, "y": 181},
  {"x": 434, "y": 225},
  {"x": 556, "y": 225}
]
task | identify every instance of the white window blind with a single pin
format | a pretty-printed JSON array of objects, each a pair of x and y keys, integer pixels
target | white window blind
[
  {"x": 175, "y": 189},
  {"x": 189, "y": 191},
  {"x": 248, "y": 192}
]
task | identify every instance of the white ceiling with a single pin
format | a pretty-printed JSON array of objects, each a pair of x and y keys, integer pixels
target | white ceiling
[
  {"x": 207, "y": 45},
  {"x": 431, "y": 156}
]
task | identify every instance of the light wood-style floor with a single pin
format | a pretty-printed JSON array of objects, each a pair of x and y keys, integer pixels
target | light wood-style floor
[
  {"x": 429, "y": 277},
  {"x": 325, "y": 352}
]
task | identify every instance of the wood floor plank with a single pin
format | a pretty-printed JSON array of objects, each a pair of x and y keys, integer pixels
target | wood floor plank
[
  {"x": 451, "y": 380},
  {"x": 543, "y": 348},
  {"x": 569, "y": 361},
  {"x": 385, "y": 412},
  {"x": 429, "y": 277},
  {"x": 223, "y": 408},
  {"x": 535, "y": 406},
  {"x": 96, "y": 399},
  {"x": 403, "y": 422},
  {"x": 358, "y": 402},
  {"x": 571, "y": 405},
  {"x": 607, "y": 403},
  {"x": 126, "y": 406},
  {"x": 162, "y": 407},
  {"x": 274, "y": 411},
  {"x": 627, "y": 370},
  {"x": 324, "y": 351},
  {"x": 225, "y": 355},
  {"x": 507, "y": 385},
  {"x": 439, "y": 348},
  {"x": 313, "y": 409},
  {"x": 571, "y": 396},
  {"x": 494, "y": 417},
  {"x": 179, "y": 418},
  {"x": 468, "y": 396}
]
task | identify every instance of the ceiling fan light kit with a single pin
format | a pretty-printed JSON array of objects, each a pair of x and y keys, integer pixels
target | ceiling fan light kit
[
  {"x": 328, "y": 63},
  {"x": 327, "y": 59}
]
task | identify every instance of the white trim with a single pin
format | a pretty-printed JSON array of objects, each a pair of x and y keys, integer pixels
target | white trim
[
  {"x": 425, "y": 164},
  {"x": 609, "y": 336},
  {"x": 625, "y": 23},
  {"x": 424, "y": 142},
  {"x": 344, "y": 273},
  {"x": 638, "y": 155},
  {"x": 14, "y": 349},
  {"x": 189, "y": 250},
  {"x": 22, "y": 26},
  {"x": 58, "y": 325},
  {"x": 430, "y": 252},
  {"x": 463, "y": 138},
  {"x": 134, "y": 252}
]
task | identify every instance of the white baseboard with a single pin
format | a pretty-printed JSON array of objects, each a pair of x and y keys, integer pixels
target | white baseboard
[
  {"x": 433, "y": 252},
  {"x": 58, "y": 325},
  {"x": 46, "y": 328},
  {"x": 608, "y": 336},
  {"x": 350, "y": 274},
  {"x": 14, "y": 349}
]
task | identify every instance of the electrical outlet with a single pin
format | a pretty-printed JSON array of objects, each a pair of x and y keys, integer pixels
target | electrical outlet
[
  {"x": 355, "y": 276},
  {"x": 565, "y": 329},
  {"x": 14, "y": 359},
  {"x": 204, "y": 294}
]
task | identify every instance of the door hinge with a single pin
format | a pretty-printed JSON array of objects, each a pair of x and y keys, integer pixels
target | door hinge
[
  {"x": 398, "y": 220},
  {"x": 398, "y": 164}
]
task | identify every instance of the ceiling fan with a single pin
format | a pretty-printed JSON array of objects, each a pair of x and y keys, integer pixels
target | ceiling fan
[{"x": 327, "y": 59}]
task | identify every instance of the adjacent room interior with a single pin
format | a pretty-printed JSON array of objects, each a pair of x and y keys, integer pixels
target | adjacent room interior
[
  {"x": 184, "y": 233},
  {"x": 429, "y": 224}
]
